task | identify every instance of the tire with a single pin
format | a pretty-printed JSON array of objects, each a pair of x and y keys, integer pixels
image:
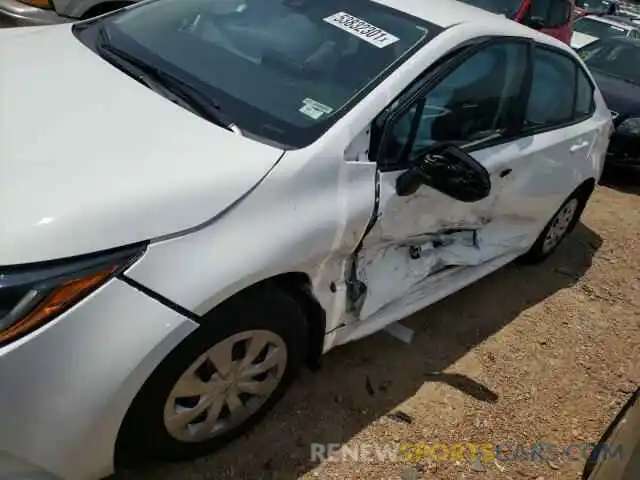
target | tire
[
  {"x": 540, "y": 250},
  {"x": 150, "y": 430},
  {"x": 593, "y": 459}
]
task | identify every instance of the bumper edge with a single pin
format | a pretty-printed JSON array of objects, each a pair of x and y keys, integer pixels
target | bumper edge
[{"x": 117, "y": 335}]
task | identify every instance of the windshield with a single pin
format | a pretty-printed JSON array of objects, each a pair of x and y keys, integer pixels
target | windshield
[
  {"x": 282, "y": 70},
  {"x": 594, "y": 5},
  {"x": 598, "y": 29},
  {"x": 615, "y": 58},
  {"x": 508, "y": 8}
]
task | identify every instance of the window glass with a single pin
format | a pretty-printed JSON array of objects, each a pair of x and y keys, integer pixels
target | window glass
[
  {"x": 552, "y": 89},
  {"x": 280, "y": 69},
  {"x": 596, "y": 6},
  {"x": 559, "y": 13},
  {"x": 475, "y": 101},
  {"x": 614, "y": 58},
  {"x": 584, "y": 95},
  {"x": 553, "y": 13}
]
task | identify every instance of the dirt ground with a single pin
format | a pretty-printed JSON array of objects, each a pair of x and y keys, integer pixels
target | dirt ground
[{"x": 527, "y": 355}]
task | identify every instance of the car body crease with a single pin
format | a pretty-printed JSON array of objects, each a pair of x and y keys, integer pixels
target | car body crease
[{"x": 231, "y": 206}]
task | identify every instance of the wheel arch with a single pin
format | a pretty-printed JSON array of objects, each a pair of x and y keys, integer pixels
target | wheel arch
[
  {"x": 295, "y": 285},
  {"x": 587, "y": 187},
  {"x": 298, "y": 285}
]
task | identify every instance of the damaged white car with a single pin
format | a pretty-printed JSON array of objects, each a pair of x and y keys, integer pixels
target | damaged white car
[{"x": 218, "y": 191}]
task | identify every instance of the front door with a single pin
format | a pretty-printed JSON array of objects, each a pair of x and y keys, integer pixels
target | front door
[{"x": 476, "y": 103}]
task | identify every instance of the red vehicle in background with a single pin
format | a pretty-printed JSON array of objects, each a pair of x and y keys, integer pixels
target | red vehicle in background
[{"x": 553, "y": 17}]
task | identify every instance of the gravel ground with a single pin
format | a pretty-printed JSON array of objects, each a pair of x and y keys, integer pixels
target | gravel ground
[{"x": 527, "y": 355}]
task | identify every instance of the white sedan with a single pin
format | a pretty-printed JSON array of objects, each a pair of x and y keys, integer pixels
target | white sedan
[{"x": 197, "y": 197}]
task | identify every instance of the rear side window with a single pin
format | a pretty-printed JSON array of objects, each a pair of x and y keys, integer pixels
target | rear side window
[
  {"x": 552, "y": 13},
  {"x": 551, "y": 99},
  {"x": 561, "y": 92},
  {"x": 584, "y": 95}
]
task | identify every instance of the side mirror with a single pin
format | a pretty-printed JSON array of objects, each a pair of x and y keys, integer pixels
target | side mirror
[
  {"x": 449, "y": 170},
  {"x": 537, "y": 23}
]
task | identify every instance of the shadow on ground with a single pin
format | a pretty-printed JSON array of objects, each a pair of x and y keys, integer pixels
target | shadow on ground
[
  {"x": 365, "y": 380},
  {"x": 626, "y": 180}
]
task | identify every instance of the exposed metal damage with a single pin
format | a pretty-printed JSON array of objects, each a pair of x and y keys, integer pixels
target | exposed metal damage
[{"x": 384, "y": 271}]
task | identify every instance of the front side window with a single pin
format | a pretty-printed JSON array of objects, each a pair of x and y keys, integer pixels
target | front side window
[
  {"x": 476, "y": 101},
  {"x": 284, "y": 70},
  {"x": 598, "y": 29}
]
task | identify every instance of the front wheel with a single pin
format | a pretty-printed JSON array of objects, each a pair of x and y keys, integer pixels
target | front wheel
[
  {"x": 219, "y": 382},
  {"x": 560, "y": 225}
]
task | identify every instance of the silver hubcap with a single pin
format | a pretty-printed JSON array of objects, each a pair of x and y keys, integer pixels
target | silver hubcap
[
  {"x": 560, "y": 225},
  {"x": 225, "y": 385}
]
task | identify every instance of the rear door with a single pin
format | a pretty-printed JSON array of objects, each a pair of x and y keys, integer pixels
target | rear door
[{"x": 557, "y": 143}]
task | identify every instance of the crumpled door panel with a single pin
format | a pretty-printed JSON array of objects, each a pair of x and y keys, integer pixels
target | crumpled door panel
[{"x": 391, "y": 270}]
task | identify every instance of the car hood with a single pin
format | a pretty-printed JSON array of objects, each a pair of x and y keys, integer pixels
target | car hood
[
  {"x": 90, "y": 159},
  {"x": 621, "y": 97},
  {"x": 579, "y": 40}
]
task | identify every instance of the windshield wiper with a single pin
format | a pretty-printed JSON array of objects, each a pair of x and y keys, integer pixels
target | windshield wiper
[{"x": 189, "y": 96}]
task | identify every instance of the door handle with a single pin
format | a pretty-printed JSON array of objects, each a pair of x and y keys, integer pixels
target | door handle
[
  {"x": 505, "y": 172},
  {"x": 578, "y": 146}
]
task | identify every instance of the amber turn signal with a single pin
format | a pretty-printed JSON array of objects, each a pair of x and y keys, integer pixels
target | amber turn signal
[
  {"x": 56, "y": 301},
  {"x": 39, "y": 3}
]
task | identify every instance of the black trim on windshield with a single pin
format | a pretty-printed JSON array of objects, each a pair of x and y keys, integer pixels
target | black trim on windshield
[{"x": 256, "y": 122}]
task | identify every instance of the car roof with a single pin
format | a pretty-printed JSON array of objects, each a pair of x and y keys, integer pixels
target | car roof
[
  {"x": 447, "y": 13},
  {"x": 621, "y": 19},
  {"x": 611, "y": 20},
  {"x": 630, "y": 15},
  {"x": 443, "y": 13}
]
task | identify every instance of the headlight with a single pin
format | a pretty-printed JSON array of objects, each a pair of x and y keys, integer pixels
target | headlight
[
  {"x": 31, "y": 295},
  {"x": 631, "y": 126},
  {"x": 39, "y": 3}
]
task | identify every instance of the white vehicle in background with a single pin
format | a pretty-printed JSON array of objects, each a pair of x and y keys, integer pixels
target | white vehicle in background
[
  {"x": 632, "y": 15},
  {"x": 590, "y": 28},
  {"x": 220, "y": 191},
  {"x": 24, "y": 13}
]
